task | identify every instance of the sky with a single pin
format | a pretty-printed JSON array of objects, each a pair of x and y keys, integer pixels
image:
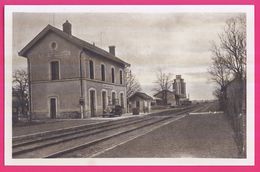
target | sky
[{"x": 177, "y": 43}]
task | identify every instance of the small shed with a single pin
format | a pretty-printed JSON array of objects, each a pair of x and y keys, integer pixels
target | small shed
[{"x": 141, "y": 102}]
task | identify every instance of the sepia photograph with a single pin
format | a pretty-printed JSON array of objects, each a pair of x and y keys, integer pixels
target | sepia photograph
[{"x": 129, "y": 84}]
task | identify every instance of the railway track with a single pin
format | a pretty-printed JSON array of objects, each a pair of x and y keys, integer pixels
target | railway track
[
  {"x": 35, "y": 144},
  {"x": 67, "y": 132},
  {"x": 204, "y": 108},
  {"x": 70, "y": 142}
]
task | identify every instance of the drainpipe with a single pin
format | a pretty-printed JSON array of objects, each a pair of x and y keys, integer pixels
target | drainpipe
[
  {"x": 81, "y": 99},
  {"x": 29, "y": 88}
]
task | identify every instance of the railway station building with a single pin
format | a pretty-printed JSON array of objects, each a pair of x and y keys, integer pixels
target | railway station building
[{"x": 71, "y": 78}]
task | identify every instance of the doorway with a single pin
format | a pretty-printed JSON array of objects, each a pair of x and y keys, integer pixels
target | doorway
[
  {"x": 104, "y": 102},
  {"x": 53, "y": 108},
  {"x": 92, "y": 103}
]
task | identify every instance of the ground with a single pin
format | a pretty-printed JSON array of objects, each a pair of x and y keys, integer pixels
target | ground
[{"x": 200, "y": 136}]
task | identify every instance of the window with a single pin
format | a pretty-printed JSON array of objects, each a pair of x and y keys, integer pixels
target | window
[
  {"x": 91, "y": 69},
  {"x": 103, "y": 74},
  {"x": 121, "y": 77},
  {"x": 113, "y": 75},
  {"x": 55, "y": 70},
  {"x": 54, "y": 45},
  {"x": 109, "y": 100},
  {"x": 122, "y": 100},
  {"x": 113, "y": 98}
]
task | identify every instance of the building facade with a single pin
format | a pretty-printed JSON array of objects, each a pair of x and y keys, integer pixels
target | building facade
[{"x": 71, "y": 78}]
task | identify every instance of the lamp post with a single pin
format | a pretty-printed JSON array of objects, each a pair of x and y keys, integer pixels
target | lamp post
[{"x": 81, "y": 99}]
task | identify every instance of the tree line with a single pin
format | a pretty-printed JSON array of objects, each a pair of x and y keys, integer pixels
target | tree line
[
  {"x": 229, "y": 57},
  {"x": 228, "y": 71}
]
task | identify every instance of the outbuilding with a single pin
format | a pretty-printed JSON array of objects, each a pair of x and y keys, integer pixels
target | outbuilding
[{"x": 140, "y": 102}]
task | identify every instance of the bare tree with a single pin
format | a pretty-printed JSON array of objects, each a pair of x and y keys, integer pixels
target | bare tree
[
  {"x": 132, "y": 84},
  {"x": 229, "y": 56},
  {"x": 220, "y": 74},
  {"x": 233, "y": 46},
  {"x": 218, "y": 70},
  {"x": 20, "y": 91},
  {"x": 163, "y": 84}
]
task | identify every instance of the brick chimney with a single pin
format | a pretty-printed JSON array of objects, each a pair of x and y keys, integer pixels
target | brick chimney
[
  {"x": 67, "y": 27},
  {"x": 112, "y": 50}
]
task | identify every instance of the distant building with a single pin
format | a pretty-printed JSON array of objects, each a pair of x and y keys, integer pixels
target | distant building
[
  {"x": 179, "y": 87},
  {"x": 141, "y": 101},
  {"x": 71, "y": 78},
  {"x": 166, "y": 97}
]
